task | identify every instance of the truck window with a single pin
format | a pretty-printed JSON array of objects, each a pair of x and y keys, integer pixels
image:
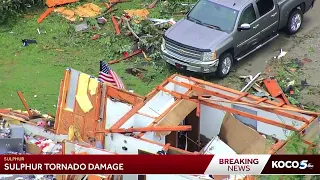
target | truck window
[
  {"x": 210, "y": 13},
  {"x": 248, "y": 15},
  {"x": 264, "y": 6}
]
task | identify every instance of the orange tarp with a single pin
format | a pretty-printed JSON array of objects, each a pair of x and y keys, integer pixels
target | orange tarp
[{"x": 52, "y": 3}]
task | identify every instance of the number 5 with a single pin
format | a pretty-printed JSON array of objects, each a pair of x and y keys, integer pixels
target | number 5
[{"x": 303, "y": 164}]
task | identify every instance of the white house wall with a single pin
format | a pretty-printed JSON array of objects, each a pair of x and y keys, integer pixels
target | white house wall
[
  {"x": 39, "y": 131},
  {"x": 265, "y": 128},
  {"x": 158, "y": 104},
  {"x": 115, "y": 142},
  {"x": 114, "y": 111},
  {"x": 153, "y": 137},
  {"x": 210, "y": 121},
  {"x": 72, "y": 147},
  {"x": 217, "y": 146}
]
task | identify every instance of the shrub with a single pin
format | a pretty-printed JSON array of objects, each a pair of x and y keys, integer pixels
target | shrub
[{"x": 11, "y": 9}]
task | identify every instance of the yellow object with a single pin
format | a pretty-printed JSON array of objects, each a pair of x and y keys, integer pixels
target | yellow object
[
  {"x": 74, "y": 132},
  {"x": 82, "y": 96},
  {"x": 93, "y": 84},
  {"x": 68, "y": 109},
  {"x": 145, "y": 56},
  {"x": 86, "y": 10},
  {"x": 12, "y": 122},
  {"x": 141, "y": 14}
]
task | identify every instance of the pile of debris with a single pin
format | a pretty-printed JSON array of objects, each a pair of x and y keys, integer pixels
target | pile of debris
[{"x": 268, "y": 88}]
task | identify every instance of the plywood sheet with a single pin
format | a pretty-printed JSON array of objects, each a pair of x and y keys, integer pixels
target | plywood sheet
[
  {"x": 177, "y": 115},
  {"x": 66, "y": 121},
  {"x": 241, "y": 138},
  {"x": 123, "y": 95},
  {"x": 79, "y": 124}
]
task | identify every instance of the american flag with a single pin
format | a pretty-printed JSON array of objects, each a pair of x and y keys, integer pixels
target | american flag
[{"x": 107, "y": 75}]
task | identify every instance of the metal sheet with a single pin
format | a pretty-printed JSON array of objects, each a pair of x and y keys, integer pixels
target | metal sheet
[{"x": 74, "y": 76}]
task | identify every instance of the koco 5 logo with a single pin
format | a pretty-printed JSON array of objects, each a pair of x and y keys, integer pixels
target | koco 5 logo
[{"x": 292, "y": 164}]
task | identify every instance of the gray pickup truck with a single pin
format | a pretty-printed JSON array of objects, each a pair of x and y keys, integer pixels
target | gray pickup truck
[{"x": 214, "y": 34}]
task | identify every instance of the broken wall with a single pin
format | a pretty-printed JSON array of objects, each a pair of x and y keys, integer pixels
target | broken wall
[
  {"x": 262, "y": 127},
  {"x": 78, "y": 104},
  {"x": 74, "y": 148},
  {"x": 39, "y": 131},
  {"x": 85, "y": 103},
  {"x": 241, "y": 138}
]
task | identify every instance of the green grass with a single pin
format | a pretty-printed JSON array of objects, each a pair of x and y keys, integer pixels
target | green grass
[{"x": 38, "y": 68}]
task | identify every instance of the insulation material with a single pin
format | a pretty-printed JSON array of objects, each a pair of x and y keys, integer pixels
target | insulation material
[
  {"x": 241, "y": 138},
  {"x": 82, "y": 97},
  {"x": 141, "y": 14},
  {"x": 86, "y": 10},
  {"x": 66, "y": 13},
  {"x": 93, "y": 85}
]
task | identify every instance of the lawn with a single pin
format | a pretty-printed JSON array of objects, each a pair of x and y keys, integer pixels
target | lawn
[{"x": 37, "y": 69}]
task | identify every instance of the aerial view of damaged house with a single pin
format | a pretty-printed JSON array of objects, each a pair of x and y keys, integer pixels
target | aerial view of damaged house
[
  {"x": 214, "y": 34},
  {"x": 183, "y": 115}
]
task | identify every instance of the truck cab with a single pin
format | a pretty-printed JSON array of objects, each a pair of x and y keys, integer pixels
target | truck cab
[{"x": 216, "y": 33}]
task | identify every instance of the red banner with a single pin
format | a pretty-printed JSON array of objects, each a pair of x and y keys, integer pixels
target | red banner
[{"x": 104, "y": 164}]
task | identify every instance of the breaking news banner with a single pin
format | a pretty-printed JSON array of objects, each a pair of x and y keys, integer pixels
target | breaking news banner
[{"x": 155, "y": 164}]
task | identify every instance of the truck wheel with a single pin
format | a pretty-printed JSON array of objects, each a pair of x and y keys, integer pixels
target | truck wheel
[
  {"x": 225, "y": 64},
  {"x": 295, "y": 21}
]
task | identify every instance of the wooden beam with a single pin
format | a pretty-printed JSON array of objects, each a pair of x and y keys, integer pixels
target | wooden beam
[
  {"x": 158, "y": 119},
  {"x": 234, "y": 111},
  {"x": 232, "y": 99},
  {"x": 25, "y": 104},
  {"x": 248, "y": 115},
  {"x": 147, "y": 129},
  {"x": 146, "y": 115},
  {"x": 136, "y": 108}
]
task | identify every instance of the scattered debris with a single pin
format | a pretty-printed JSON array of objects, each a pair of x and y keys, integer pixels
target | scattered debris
[
  {"x": 162, "y": 21},
  {"x": 26, "y": 42},
  {"x": 95, "y": 37},
  {"x": 45, "y": 14},
  {"x": 116, "y": 25},
  {"x": 282, "y": 54},
  {"x": 251, "y": 83},
  {"x": 274, "y": 89},
  {"x": 81, "y": 27},
  {"x": 83, "y": 11},
  {"x": 153, "y": 4},
  {"x": 101, "y": 20},
  {"x": 136, "y": 72},
  {"x": 137, "y": 14},
  {"x": 124, "y": 58}
]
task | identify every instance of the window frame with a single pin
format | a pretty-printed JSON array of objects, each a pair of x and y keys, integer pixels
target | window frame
[
  {"x": 261, "y": 15},
  {"x": 255, "y": 12}
]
